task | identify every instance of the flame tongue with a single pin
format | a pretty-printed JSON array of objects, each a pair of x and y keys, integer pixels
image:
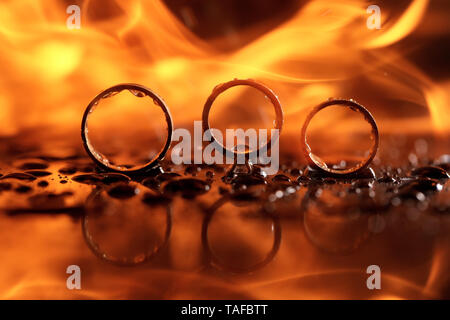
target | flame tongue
[
  {"x": 50, "y": 73},
  {"x": 60, "y": 69}
]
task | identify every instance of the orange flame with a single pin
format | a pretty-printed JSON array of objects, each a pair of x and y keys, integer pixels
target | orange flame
[
  {"x": 61, "y": 69},
  {"x": 50, "y": 73}
]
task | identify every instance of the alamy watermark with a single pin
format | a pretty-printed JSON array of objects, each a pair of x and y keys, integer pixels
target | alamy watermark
[
  {"x": 374, "y": 280},
  {"x": 374, "y": 20},
  {"x": 74, "y": 280},
  {"x": 242, "y": 146},
  {"x": 74, "y": 20}
]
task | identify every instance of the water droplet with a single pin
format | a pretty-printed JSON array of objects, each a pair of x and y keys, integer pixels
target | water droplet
[
  {"x": 23, "y": 189},
  {"x": 38, "y": 173},
  {"x": 187, "y": 187},
  {"x": 110, "y": 178},
  {"x": 137, "y": 93},
  {"x": 91, "y": 179},
  {"x": 295, "y": 172},
  {"x": 88, "y": 168},
  {"x": 125, "y": 232},
  {"x": 155, "y": 171},
  {"x": 303, "y": 180},
  {"x": 151, "y": 182},
  {"x": 42, "y": 184},
  {"x": 68, "y": 170},
  {"x": 155, "y": 182},
  {"x": 209, "y": 174},
  {"x": 443, "y": 162},
  {"x": 5, "y": 186},
  {"x": 432, "y": 172},
  {"x": 329, "y": 181},
  {"x": 19, "y": 176},
  {"x": 192, "y": 169},
  {"x": 425, "y": 186},
  {"x": 386, "y": 179},
  {"x": 246, "y": 180},
  {"x": 110, "y": 94},
  {"x": 281, "y": 178},
  {"x": 33, "y": 165},
  {"x": 123, "y": 191},
  {"x": 100, "y": 178}
]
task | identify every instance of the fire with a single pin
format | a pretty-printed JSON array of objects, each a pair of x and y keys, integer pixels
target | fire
[
  {"x": 437, "y": 98},
  {"x": 50, "y": 73},
  {"x": 144, "y": 42},
  {"x": 404, "y": 26}
]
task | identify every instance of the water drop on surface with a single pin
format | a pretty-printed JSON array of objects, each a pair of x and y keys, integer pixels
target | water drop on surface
[
  {"x": 19, "y": 176},
  {"x": 138, "y": 93},
  {"x": 42, "y": 184},
  {"x": 432, "y": 172},
  {"x": 33, "y": 166},
  {"x": 186, "y": 187},
  {"x": 38, "y": 173},
  {"x": 5, "y": 186},
  {"x": 281, "y": 178},
  {"x": 23, "y": 189}
]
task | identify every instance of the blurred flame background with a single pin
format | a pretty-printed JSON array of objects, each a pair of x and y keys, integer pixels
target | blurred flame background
[{"x": 306, "y": 51}]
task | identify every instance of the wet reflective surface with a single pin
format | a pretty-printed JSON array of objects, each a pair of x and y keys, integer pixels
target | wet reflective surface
[
  {"x": 291, "y": 230},
  {"x": 121, "y": 228}
]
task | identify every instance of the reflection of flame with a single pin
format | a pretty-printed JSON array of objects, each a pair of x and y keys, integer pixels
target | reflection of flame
[{"x": 49, "y": 74}]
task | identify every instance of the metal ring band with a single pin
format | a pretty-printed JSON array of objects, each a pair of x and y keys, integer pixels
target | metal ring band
[
  {"x": 236, "y": 82},
  {"x": 118, "y": 88},
  {"x": 313, "y": 160}
]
